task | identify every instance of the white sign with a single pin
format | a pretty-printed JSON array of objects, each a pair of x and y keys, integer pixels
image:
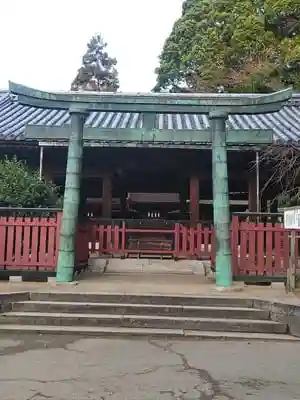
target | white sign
[{"x": 292, "y": 218}]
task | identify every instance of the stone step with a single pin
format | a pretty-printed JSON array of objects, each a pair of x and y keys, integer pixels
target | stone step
[
  {"x": 142, "y": 333},
  {"x": 218, "y": 301},
  {"x": 143, "y": 321},
  {"x": 149, "y": 265},
  {"x": 141, "y": 309}
]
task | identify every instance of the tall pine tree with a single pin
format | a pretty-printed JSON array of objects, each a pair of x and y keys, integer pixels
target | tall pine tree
[{"x": 98, "y": 71}]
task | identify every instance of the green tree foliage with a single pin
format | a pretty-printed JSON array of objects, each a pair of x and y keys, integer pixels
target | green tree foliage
[
  {"x": 21, "y": 187},
  {"x": 98, "y": 71},
  {"x": 238, "y": 45}
]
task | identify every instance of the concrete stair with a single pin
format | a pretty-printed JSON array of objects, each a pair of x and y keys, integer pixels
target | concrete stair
[{"x": 136, "y": 315}]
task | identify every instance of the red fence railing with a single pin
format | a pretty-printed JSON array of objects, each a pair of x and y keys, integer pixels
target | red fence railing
[
  {"x": 31, "y": 241},
  {"x": 258, "y": 249},
  {"x": 178, "y": 241}
]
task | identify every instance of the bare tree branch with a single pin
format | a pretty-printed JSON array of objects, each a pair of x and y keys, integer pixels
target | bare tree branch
[{"x": 283, "y": 162}]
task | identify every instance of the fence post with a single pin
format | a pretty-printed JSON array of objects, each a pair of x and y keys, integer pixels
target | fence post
[
  {"x": 291, "y": 271},
  {"x": 123, "y": 238},
  {"x": 191, "y": 249},
  {"x": 235, "y": 225},
  {"x": 58, "y": 228},
  {"x": 93, "y": 235},
  {"x": 176, "y": 240},
  {"x": 213, "y": 247},
  {"x": 198, "y": 249},
  {"x": 3, "y": 224}
]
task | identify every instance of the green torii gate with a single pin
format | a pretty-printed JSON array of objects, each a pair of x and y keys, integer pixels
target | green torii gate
[{"x": 217, "y": 106}]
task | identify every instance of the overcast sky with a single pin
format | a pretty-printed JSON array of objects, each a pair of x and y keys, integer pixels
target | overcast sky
[{"x": 42, "y": 41}]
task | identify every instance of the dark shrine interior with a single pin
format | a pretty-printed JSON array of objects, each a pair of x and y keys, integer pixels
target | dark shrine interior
[
  {"x": 151, "y": 170},
  {"x": 147, "y": 170}
]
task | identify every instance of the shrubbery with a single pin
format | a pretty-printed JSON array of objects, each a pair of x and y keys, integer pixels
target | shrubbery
[{"x": 20, "y": 186}]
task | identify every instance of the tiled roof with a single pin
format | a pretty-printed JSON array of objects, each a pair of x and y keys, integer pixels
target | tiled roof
[
  {"x": 3, "y": 93},
  {"x": 14, "y": 117}
]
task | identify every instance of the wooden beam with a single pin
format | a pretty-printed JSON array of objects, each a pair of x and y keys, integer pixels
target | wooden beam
[
  {"x": 231, "y": 202},
  {"x": 135, "y": 145},
  {"x": 89, "y": 173}
]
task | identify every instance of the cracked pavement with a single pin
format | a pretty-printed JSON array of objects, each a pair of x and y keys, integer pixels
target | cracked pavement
[{"x": 72, "y": 368}]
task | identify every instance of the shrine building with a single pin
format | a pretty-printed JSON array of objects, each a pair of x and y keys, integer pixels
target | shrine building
[
  {"x": 148, "y": 157},
  {"x": 158, "y": 180}
]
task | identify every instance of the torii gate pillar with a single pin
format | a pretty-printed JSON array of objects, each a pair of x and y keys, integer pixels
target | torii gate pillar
[
  {"x": 221, "y": 199},
  {"x": 66, "y": 254}
]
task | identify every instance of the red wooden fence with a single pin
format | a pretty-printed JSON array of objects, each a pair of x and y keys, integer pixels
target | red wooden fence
[
  {"x": 258, "y": 249},
  {"x": 32, "y": 243},
  {"x": 29, "y": 243},
  {"x": 179, "y": 241}
]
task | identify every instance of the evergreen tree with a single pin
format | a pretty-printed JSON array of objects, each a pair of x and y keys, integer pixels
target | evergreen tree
[
  {"x": 98, "y": 71},
  {"x": 239, "y": 45}
]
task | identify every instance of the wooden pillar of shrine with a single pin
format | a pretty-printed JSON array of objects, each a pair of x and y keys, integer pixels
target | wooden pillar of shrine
[
  {"x": 194, "y": 200},
  {"x": 252, "y": 203},
  {"x": 44, "y": 169},
  {"x": 123, "y": 203},
  {"x": 107, "y": 196},
  {"x": 253, "y": 188},
  {"x": 182, "y": 199}
]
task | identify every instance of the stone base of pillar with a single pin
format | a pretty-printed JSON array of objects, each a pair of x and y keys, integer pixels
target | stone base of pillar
[{"x": 235, "y": 287}]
